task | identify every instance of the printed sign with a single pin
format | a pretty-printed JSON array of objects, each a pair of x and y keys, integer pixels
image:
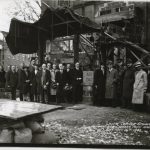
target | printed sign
[{"x": 88, "y": 77}]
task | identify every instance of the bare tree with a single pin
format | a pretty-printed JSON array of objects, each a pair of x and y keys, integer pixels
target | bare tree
[{"x": 25, "y": 10}]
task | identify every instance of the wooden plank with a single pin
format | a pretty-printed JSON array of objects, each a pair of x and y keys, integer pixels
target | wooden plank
[{"x": 12, "y": 109}]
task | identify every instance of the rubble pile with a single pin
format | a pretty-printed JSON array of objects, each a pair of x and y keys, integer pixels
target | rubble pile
[{"x": 29, "y": 130}]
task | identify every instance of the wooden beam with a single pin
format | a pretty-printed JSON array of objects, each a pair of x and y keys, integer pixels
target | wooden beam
[
  {"x": 86, "y": 52},
  {"x": 62, "y": 19},
  {"x": 66, "y": 22},
  {"x": 137, "y": 58},
  {"x": 76, "y": 48}
]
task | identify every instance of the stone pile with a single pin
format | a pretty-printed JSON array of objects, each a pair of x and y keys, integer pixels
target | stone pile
[{"x": 29, "y": 130}]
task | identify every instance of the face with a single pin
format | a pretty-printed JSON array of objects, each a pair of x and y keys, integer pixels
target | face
[
  {"x": 44, "y": 66},
  {"x": 21, "y": 65},
  {"x": 49, "y": 65},
  {"x": 13, "y": 68},
  {"x": 25, "y": 69},
  {"x": 8, "y": 67},
  {"x": 102, "y": 67},
  {"x": 77, "y": 65},
  {"x": 109, "y": 66},
  {"x": 54, "y": 66},
  {"x": 61, "y": 67},
  {"x": 33, "y": 62},
  {"x": 138, "y": 68},
  {"x": 36, "y": 67},
  {"x": 68, "y": 66}
]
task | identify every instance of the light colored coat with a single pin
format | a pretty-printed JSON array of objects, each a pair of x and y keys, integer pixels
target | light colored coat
[{"x": 140, "y": 86}]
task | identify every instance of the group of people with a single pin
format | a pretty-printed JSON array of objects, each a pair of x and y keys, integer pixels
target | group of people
[
  {"x": 117, "y": 85},
  {"x": 121, "y": 85},
  {"x": 47, "y": 83}
]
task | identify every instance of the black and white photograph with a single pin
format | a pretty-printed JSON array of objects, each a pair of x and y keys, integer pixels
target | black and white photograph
[{"x": 75, "y": 73}]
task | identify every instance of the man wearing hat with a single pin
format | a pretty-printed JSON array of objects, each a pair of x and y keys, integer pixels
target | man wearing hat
[
  {"x": 139, "y": 87},
  {"x": 128, "y": 81},
  {"x": 111, "y": 85}
]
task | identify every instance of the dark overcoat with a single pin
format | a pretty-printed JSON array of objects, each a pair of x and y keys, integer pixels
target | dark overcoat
[
  {"x": 26, "y": 85},
  {"x": 2, "y": 79},
  {"x": 128, "y": 81},
  {"x": 12, "y": 79},
  {"x": 47, "y": 79},
  {"x": 20, "y": 80},
  {"x": 35, "y": 82},
  {"x": 77, "y": 80},
  {"x": 69, "y": 75},
  {"x": 98, "y": 86},
  {"x": 111, "y": 84},
  {"x": 61, "y": 78}
]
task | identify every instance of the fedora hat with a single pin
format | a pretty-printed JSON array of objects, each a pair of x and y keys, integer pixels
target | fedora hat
[{"x": 138, "y": 64}]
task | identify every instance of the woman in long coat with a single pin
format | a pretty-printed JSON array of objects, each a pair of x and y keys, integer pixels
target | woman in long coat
[
  {"x": 140, "y": 87},
  {"x": 111, "y": 85}
]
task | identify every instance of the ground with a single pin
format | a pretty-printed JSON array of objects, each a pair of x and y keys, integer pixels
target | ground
[{"x": 86, "y": 124}]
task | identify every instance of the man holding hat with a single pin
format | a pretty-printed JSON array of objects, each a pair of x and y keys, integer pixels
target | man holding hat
[
  {"x": 139, "y": 87},
  {"x": 128, "y": 81}
]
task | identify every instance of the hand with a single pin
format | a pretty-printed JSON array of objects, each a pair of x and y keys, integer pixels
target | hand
[
  {"x": 30, "y": 84},
  {"x": 45, "y": 86},
  {"x": 47, "y": 83},
  {"x": 96, "y": 86},
  {"x": 57, "y": 83}
]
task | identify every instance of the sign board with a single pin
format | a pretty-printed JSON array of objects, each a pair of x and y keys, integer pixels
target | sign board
[
  {"x": 88, "y": 77},
  {"x": 11, "y": 109}
]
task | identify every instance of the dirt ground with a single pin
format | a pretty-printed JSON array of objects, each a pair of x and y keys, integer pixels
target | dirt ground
[{"x": 86, "y": 124}]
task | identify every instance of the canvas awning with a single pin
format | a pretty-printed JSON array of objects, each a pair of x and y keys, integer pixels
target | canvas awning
[{"x": 27, "y": 38}]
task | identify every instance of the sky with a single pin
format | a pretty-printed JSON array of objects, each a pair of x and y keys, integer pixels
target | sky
[{"x": 8, "y": 8}]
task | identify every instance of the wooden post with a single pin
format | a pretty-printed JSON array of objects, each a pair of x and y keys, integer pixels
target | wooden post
[
  {"x": 76, "y": 48},
  {"x": 41, "y": 51}
]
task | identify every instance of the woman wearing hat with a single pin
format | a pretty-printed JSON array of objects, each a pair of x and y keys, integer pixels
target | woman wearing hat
[{"x": 139, "y": 87}]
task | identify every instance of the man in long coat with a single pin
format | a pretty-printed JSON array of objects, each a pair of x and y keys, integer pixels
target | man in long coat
[
  {"x": 68, "y": 93},
  {"x": 12, "y": 81},
  {"x": 99, "y": 87},
  {"x": 140, "y": 87},
  {"x": 44, "y": 77},
  {"x": 111, "y": 85},
  {"x": 20, "y": 81},
  {"x": 77, "y": 80},
  {"x": 128, "y": 81},
  {"x": 61, "y": 81},
  {"x": 35, "y": 84}
]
